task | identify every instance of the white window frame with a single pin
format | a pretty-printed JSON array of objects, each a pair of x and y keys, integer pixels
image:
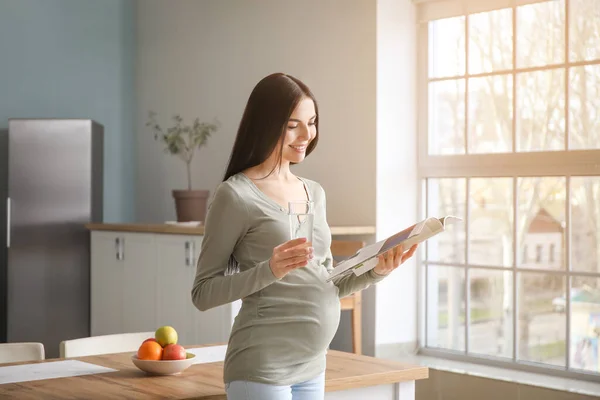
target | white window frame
[{"x": 566, "y": 163}]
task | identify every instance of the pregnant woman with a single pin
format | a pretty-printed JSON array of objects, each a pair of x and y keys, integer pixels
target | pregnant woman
[{"x": 289, "y": 312}]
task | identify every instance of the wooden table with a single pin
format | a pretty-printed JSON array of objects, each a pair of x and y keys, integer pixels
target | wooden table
[{"x": 348, "y": 377}]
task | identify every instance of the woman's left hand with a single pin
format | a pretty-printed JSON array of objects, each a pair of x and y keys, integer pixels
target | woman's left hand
[{"x": 393, "y": 258}]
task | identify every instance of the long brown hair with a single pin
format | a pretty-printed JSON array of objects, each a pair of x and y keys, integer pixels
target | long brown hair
[{"x": 265, "y": 120}]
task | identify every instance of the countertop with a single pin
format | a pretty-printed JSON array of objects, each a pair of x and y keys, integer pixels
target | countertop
[{"x": 199, "y": 230}]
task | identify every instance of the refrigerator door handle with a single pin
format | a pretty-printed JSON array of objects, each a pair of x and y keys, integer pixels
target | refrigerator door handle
[{"x": 8, "y": 222}]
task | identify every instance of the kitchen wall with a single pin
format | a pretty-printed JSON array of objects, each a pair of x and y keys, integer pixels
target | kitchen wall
[
  {"x": 202, "y": 58},
  {"x": 74, "y": 59}
]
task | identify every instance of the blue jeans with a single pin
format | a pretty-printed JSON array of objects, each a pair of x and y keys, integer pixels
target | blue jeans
[{"x": 313, "y": 389}]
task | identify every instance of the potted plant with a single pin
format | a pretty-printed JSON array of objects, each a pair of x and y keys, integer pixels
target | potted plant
[{"x": 184, "y": 141}]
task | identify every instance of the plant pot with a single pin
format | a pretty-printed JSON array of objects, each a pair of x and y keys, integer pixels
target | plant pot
[{"x": 190, "y": 205}]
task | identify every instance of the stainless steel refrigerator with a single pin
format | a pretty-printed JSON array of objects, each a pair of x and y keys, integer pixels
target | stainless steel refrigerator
[{"x": 51, "y": 185}]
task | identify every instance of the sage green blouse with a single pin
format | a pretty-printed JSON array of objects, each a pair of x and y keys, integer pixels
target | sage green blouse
[{"x": 284, "y": 327}]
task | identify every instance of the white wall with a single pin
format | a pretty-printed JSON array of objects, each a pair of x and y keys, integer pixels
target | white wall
[
  {"x": 396, "y": 311},
  {"x": 202, "y": 58}
]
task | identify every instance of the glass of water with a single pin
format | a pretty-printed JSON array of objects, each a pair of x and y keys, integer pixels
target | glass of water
[{"x": 301, "y": 215}]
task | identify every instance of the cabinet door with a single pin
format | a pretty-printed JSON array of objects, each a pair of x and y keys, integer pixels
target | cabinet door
[
  {"x": 106, "y": 283},
  {"x": 139, "y": 282},
  {"x": 176, "y": 255}
]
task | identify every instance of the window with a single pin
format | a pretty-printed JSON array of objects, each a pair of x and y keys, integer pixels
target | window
[{"x": 509, "y": 139}]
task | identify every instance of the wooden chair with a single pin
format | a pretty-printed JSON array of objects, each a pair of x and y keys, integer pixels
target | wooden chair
[
  {"x": 105, "y": 344},
  {"x": 18, "y": 352},
  {"x": 341, "y": 249}
]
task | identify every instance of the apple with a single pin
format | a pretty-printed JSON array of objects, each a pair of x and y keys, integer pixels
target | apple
[
  {"x": 166, "y": 335},
  {"x": 174, "y": 352}
]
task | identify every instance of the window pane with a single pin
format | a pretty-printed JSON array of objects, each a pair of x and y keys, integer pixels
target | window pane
[
  {"x": 541, "y": 330},
  {"x": 446, "y": 307},
  {"x": 490, "y": 114},
  {"x": 447, "y": 47},
  {"x": 585, "y": 224},
  {"x": 541, "y": 110},
  {"x": 541, "y": 222},
  {"x": 584, "y": 107},
  {"x": 491, "y": 221},
  {"x": 584, "y": 30},
  {"x": 447, "y": 117},
  {"x": 490, "y": 41},
  {"x": 585, "y": 323},
  {"x": 447, "y": 196},
  {"x": 541, "y": 34},
  {"x": 491, "y": 311}
]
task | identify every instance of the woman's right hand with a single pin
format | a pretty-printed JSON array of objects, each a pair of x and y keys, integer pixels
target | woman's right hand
[{"x": 290, "y": 255}]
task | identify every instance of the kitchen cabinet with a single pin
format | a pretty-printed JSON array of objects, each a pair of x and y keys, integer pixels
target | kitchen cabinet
[
  {"x": 176, "y": 256},
  {"x": 106, "y": 278},
  {"x": 140, "y": 281},
  {"x": 122, "y": 283}
]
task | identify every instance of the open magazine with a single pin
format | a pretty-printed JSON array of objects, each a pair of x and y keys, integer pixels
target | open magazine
[{"x": 366, "y": 258}]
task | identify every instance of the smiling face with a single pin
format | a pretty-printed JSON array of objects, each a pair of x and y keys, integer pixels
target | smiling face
[
  {"x": 300, "y": 130},
  {"x": 269, "y": 136}
]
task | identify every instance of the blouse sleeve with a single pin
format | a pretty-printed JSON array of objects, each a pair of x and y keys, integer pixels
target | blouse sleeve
[{"x": 225, "y": 226}]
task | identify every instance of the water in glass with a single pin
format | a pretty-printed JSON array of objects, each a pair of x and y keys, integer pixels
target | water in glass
[{"x": 301, "y": 218}]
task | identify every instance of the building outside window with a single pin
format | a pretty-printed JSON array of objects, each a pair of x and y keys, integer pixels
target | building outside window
[{"x": 509, "y": 131}]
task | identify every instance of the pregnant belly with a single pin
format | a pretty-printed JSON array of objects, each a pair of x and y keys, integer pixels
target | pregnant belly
[{"x": 306, "y": 321}]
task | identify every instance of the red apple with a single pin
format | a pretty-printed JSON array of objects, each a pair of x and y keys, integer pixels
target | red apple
[{"x": 174, "y": 352}]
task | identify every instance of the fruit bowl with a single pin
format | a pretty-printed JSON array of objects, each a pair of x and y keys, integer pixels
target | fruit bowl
[{"x": 163, "y": 367}]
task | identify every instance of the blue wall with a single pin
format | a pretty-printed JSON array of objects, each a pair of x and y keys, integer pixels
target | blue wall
[{"x": 75, "y": 59}]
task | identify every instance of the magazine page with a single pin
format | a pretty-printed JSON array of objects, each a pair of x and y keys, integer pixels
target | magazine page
[
  {"x": 366, "y": 258},
  {"x": 449, "y": 219},
  {"x": 418, "y": 233},
  {"x": 370, "y": 252},
  {"x": 360, "y": 257}
]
